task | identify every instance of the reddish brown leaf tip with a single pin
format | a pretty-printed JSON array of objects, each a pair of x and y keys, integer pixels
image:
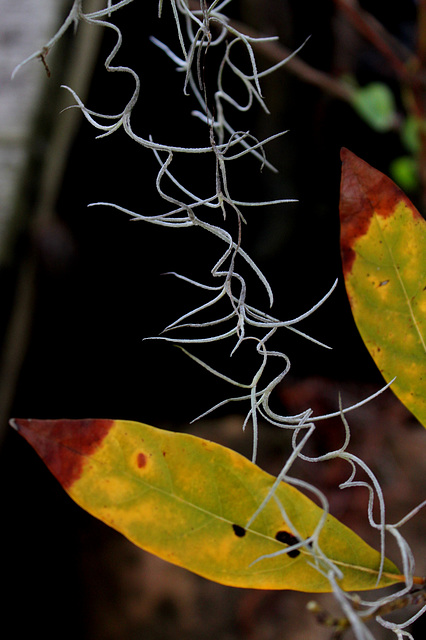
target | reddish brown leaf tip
[
  {"x": 364, "y": 191},
  {"x": 64, "y": 445},
  {"x": 345, "y": 153}
]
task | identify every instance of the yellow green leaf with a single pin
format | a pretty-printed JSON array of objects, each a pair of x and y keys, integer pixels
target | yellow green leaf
[
  {"x": 188, "y": 501},
  {"x": 383, "y": 244}
]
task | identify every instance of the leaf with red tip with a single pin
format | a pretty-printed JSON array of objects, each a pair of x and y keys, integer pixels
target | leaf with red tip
[
  {"x": 190, "y": 501},
  {"x": 383, "y": 246}
]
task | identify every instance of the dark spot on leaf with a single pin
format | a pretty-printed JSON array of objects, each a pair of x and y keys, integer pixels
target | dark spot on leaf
[
  {"x": 288, "y": 538},
  {"x": 141, "y": 460},
  {"x": 239, "y": 531}
]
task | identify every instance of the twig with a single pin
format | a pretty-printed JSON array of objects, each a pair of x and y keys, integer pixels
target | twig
[
  {"x": 376, "y": 33},
  {"x": 275, "y": 52}
]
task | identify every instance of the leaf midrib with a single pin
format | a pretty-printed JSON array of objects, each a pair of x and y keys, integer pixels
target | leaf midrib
[
  {"x": 172, "y": 495},
  {"x": 401, "y": 282}
]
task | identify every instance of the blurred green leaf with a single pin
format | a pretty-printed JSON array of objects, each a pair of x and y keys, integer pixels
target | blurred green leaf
[
  {"x": 405, "y": 172},
  {"x": 410, "y": 134},
  {"x": 375, "y": 104}
]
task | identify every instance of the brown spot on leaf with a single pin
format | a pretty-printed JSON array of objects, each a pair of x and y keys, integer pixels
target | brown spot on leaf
[
  {"x": 64, "y": 445},
  {"x": 141, "y": 460}
]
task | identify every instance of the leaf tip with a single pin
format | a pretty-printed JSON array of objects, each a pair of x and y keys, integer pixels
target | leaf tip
[
  {"x": 345, "y": 154},
  {"x": 365, "y": 193},
  {"x": 351, "y": 163},
  {"x": 19, "y": 424},
  {"x": 13, "y": 424},
  {"x": 64, "y": 445},
  {"x": 354, "y": 213}
]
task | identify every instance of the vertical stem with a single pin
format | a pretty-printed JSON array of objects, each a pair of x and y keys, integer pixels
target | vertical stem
[
  {"x": 419, "y": 91},
  {"x": 421, "y": 32}
]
